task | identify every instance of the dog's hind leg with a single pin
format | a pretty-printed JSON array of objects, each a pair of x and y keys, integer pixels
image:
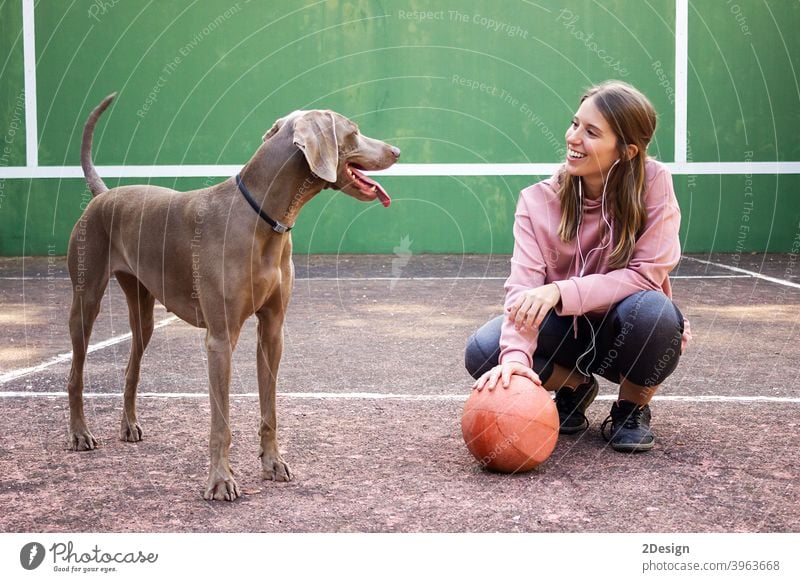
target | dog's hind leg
[
  {"x": 88, "y": 269},
  {"x": 140, "y": 315}
]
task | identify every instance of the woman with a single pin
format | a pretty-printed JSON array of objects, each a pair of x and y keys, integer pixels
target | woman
[{"x": 589, "y": 291}]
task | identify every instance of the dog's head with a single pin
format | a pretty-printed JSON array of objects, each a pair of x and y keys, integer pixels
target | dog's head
[{"x": 338, "y": 153}]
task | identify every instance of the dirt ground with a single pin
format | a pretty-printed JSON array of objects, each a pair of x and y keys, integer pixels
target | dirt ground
[{"x": 371, "y": 389}]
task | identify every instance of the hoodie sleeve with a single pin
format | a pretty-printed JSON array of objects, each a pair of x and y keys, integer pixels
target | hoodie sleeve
[
  {"x": 656, "y": 253},
  {"x": 527, "y": 271}
]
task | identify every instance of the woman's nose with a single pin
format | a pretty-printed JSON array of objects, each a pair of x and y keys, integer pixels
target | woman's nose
[{"x": 573, "y": 136}]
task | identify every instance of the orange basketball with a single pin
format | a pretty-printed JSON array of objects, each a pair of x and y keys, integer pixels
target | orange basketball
[{"x": 510, "y": 429}]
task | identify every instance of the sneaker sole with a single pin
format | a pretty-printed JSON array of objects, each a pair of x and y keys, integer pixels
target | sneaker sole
[
  {"x": 633, "y": 447},
  {"x": 573, "y": 429}
]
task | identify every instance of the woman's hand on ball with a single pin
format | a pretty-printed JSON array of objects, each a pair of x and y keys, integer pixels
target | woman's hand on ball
[
  {"x": 504, "y": 372},
  {"x": 531, "y": 307}
]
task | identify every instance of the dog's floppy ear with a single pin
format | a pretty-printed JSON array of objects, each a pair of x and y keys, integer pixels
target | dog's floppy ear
[{"x": 315, "y": 135}]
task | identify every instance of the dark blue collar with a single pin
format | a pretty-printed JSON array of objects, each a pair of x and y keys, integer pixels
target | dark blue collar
[{"x": 276, "y": 226}]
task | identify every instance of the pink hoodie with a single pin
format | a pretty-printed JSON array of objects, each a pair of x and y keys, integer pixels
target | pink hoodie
[{"x": 540, "y": 257}]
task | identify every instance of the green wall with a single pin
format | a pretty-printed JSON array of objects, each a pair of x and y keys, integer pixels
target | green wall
[
  {"x": 480, "y": 83},
  {"x": 12, "y": 95}
]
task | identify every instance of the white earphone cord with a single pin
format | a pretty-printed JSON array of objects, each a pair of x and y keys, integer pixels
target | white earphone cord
[{"x": 593, "y": 344}]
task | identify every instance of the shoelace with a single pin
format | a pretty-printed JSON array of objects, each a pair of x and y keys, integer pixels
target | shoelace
[{"x": 633, "y": 420}]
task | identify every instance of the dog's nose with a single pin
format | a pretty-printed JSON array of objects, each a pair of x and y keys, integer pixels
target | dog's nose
[{"x": 395, "y": 152}]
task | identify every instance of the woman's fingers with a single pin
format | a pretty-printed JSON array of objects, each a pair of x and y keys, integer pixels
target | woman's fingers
[
  {"x": 519, "y": 370},
  {"x": 514, "y": 309},
  {"x": 528, "y": 315},
  {"x": 488, "y": 380},
  {"x": 507, "y": 371},
  {"x": 502, "y": 373},
  {"x": 480, "y": 382},
  {"x": 494, "y": 377},
  {"x": 530, "y": 308},
  {"x": 533, "y": 315},
  {"x": 522, "y": 312},
  {"x": 533, "y": 376},
  {"x": 540, "y": 315}
]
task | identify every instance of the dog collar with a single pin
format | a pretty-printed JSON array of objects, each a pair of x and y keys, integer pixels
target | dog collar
[{"x": 278, "y": 227}]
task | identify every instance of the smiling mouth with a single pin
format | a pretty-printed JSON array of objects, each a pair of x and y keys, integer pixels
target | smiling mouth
[
  {"x": 573, "y": 155},
  {"x": 367, "y": 186}
]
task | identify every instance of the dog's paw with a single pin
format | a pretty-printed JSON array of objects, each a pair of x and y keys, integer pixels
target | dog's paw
[
  {"x": 82, "y": 440},
  {"x": 130, "y": 432},
  {"x": 275, "y": 469},
  {"x": 221, "y": 489}
]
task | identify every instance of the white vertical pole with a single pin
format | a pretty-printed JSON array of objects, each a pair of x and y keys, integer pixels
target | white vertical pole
[
  {"x": 29, "y": 59},
  {"x": 681, "y": 78}
]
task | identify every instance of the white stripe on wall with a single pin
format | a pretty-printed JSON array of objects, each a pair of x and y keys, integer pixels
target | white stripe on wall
[
  {"x": 32, "y": 170},
  {"x": 416, "y": 170}
]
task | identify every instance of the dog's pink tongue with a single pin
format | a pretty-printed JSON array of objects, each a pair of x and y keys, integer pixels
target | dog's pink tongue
[{"x": 383, "y": 196}]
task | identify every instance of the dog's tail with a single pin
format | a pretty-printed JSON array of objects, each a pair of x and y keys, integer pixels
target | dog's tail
[{"x": 93, "y": 179}]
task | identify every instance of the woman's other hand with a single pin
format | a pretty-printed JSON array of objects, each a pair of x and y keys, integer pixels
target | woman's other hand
[{"x": 531, "y": 307}]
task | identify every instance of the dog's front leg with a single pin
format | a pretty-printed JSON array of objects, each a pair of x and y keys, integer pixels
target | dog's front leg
[
  {"x": 269, "y": 351},
  {"x": 221, "y": 484}
]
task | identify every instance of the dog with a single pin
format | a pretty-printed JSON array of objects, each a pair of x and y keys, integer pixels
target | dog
[{"x": 213, "y": 257}]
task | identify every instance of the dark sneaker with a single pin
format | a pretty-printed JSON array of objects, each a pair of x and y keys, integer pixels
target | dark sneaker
[
  {"x": 572, "y": 405},
  {"x": 630, "y": 427}
]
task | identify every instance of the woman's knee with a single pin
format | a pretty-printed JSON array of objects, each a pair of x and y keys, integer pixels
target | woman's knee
[
  {"x": 649, "y": 331},
  {"x": 483, "y": 348},
  {"x": 649, "y": 314}
]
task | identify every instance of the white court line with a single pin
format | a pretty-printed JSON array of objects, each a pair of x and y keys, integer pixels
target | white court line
[
  {"x": 385, "y": 396},
  {"x": 750, "y": 273},
  {"x": 66, "y": 357},
  {"x": 488, "y": 278},
  {"x": 711, "y": 277},
  {"x": 306, "y": 279}
]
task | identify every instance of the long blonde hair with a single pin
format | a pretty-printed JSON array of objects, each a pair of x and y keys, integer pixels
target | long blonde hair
[{"x": 633, "y": 119}]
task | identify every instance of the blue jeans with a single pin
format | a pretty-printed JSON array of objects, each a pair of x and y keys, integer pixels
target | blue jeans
[{"x": 639, "y": 339}]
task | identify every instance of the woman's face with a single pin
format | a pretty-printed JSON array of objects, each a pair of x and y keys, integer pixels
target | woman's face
[{"x": 591, "y": 144}]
